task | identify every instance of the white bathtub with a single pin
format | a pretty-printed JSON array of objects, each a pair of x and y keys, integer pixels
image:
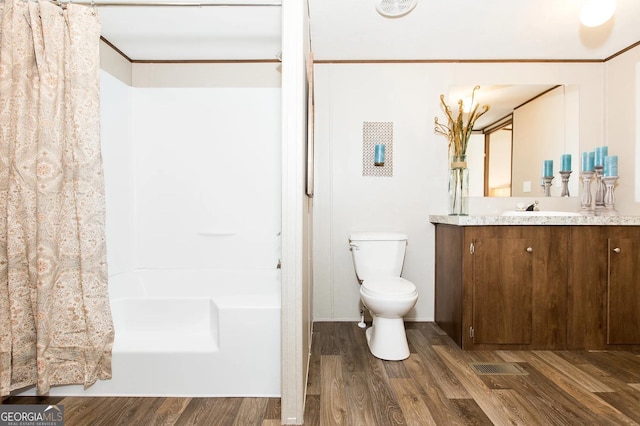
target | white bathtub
[{"x": 192, "y": 333}]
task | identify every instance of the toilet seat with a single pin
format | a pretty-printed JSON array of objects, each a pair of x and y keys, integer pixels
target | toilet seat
[{"x": 388, "y": 287}]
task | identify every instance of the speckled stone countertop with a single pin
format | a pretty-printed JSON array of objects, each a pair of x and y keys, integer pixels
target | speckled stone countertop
[{"x": 536, "y": 220}]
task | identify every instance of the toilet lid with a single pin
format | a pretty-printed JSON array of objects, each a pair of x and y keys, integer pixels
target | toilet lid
[{"x": 390, "y": 287}]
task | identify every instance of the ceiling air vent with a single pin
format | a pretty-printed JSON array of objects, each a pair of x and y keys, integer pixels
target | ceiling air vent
[{"x": 395, "y": 8}]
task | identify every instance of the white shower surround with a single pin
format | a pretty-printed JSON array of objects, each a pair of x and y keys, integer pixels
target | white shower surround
[
  {"x": 193, "y": 191},
  {"x": 206, "y": 214}
]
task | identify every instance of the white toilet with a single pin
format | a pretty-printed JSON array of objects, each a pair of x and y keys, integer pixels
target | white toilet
[{"x": 378, "y": 258}]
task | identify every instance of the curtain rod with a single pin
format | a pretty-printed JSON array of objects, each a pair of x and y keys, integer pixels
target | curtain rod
[{"x": 163, "y": 4}]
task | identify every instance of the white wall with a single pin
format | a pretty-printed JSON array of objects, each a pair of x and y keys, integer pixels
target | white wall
[
  {"x": 622, "y": 126},
  {"x": 200, "y": 75},
  {"x": 407, "y": 94}
]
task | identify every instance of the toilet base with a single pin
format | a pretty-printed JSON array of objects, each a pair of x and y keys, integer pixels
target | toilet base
[{"x": 387, "y": 339}]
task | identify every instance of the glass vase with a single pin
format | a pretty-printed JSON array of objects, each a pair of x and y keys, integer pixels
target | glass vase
[{"x": 458, "y": 186}]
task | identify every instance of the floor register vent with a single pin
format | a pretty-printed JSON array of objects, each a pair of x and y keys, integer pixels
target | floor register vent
[{"x": 498, "y": 368}]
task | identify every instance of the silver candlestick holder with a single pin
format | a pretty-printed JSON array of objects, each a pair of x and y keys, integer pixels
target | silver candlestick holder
[
  {"x": 564, "y": 175},
  {"x": 586, "y": 206},
  {"x": 546, "y": 185},
  {"x": 609, "y": 196},
  {"x": 600, "y": 189}
]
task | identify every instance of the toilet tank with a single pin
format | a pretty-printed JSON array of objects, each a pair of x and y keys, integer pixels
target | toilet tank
[{"x": 378, "y": 254}]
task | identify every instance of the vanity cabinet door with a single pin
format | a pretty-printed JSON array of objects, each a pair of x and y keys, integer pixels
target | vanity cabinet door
[
  {"x": 502, "y": 287},
  {"x": 604, "y": 288},
  {"x": 502, "y": 291},
  {"x": 515, "y": 291},
  {"x": 623, "y": 291}
]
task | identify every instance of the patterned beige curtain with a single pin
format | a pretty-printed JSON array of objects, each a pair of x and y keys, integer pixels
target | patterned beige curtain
[{"x": 55, "y": 319}]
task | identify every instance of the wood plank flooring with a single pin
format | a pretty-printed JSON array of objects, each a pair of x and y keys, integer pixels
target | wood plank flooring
[{"x": 434, "y": 386}]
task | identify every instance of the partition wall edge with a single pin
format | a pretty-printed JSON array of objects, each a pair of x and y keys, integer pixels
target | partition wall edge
[{"x": 295, "y": 281}]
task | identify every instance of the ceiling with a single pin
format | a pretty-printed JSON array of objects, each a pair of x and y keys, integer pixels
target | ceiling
[
  {"x": 172, "y": 33},
  {"x": 352, "y": 30},
  {"x": 469, "y": 29}
]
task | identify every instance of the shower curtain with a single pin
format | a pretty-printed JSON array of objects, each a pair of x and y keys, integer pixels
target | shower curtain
[{"x": 55, "y": 319}]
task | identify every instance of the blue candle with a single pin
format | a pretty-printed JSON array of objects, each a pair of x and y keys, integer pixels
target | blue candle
[
  {"x": 378, "y": 158},
  {"x": 611, "y": 165},
  {"x": 600, "y": 153},
  {"x": 565, "y": 161},
  {"x": 547, "y": 168},
  {"x": 587, "y": 161}
]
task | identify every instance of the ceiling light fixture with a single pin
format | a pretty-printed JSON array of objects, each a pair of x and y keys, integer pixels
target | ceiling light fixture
[
  {"x": 597, "y": 12},
  {"x": 395, "y": 8}
]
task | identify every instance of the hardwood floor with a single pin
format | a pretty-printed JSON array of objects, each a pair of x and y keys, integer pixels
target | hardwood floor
[
  {"x": 434, "y": 386},
  {"x": 143, "y": 411}
]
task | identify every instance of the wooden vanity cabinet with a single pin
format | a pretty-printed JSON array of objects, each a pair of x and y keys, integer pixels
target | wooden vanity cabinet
[
  {"x": 502, "y": 286},
  {"x": 539, "y": 287}
]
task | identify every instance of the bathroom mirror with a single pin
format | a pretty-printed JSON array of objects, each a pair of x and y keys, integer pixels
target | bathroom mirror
[{"x": 525, "y": 125}]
